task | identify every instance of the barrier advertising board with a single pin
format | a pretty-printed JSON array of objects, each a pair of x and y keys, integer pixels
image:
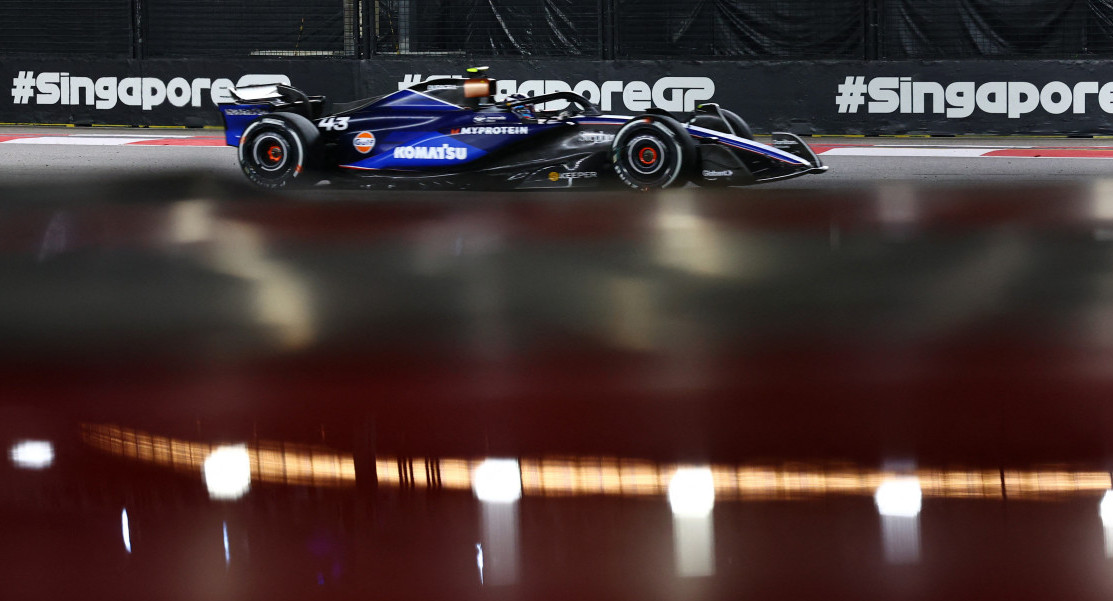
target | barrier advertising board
[{"x": 831, "y": 97}]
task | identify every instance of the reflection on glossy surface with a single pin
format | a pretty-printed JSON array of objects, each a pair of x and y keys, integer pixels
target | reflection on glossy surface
[
  {"x": 899, "y": 497},
  {"x": 368, "y": 354},
  {"x": 479, "y": 561},
  {"x": 497, "y": 481},
  {"x": 1105, "y": 510},
  {"x": 901, "y": 536},
  {"x": 125, "y": 528},
  {"x": 227, "y": 551},
  {"x": 280, "y": 301},
  {"x": 693, "y": 539},
  {"x": 227, "y": 472},
  {"x": 692, "y": 492},
  {"x": 692, "y": 499},
  {"x": 899, "y": 500},
  {"x": 273, "y": 462},
  {"x": 32, "y": 454},
  {"x": 501, "y": 554},
  {"x": 893, "y": 492}
]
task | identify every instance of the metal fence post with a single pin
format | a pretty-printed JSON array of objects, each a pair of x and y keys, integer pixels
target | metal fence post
[
  {"x": 872, "y": 30},
  {"x": 367, "y": 27},
  {"x": 138, "y": 23},
  {"x": 606, "y": 29}
]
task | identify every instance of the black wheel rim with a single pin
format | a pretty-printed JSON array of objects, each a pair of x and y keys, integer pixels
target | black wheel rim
[
  {"x": 647, "y": 156},
  {"x": 271, "y": 153}
]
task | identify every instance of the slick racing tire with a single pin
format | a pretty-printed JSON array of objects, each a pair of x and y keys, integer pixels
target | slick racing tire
[
  {"x": 278, "y": 151},
  {"x": 651, "y": 152}
]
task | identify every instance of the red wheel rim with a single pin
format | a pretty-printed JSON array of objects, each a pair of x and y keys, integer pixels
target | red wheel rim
[
  {"x": 274, "y": 153},
  {"x": 647, "y": 155}
]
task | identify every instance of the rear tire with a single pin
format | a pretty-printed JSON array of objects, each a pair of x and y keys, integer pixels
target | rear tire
[
  {"x": 652, "y": 152},
  {"x": 277, "y": 151}
]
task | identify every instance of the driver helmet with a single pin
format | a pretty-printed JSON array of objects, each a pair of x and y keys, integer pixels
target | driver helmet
[{"x": 525, "y": 111}]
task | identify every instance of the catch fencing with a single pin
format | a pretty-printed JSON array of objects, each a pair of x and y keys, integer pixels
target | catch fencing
[{"x": 583, "y": 29}]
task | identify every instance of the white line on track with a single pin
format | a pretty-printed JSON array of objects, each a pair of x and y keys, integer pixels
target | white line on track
[
  {"x": 81, "y": 140},
  {"x": 907, "y": 152}
]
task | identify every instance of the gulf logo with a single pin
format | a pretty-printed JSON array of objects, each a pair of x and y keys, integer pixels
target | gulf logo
[{"x": 364, "y": 142}]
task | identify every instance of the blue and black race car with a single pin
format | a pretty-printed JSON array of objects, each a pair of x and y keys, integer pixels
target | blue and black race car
[{"x": 452, "y": 132}]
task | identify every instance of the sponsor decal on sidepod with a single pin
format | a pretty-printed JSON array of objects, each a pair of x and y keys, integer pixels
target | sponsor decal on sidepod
[
  {"x": 364, "y": 142},
  {"x": 444, "y": 152},
  {"x": 597, "y": 137},
  {"x": 490, "y": 118},
  {"x": 554, "y": 176},
  {"x": 491, "y": 131}
]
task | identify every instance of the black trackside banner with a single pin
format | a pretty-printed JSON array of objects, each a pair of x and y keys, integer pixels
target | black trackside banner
[
  {"x": 830, "y": 97},
  {"x": 152, "y": 92}
]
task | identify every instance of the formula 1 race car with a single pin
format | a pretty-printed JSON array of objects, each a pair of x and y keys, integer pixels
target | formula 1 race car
[{"x": 452, "y": 132}]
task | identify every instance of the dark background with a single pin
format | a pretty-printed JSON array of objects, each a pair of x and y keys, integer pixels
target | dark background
[
  {"x": 600, "y": 29},
  {"x": 778, "y": 63}
]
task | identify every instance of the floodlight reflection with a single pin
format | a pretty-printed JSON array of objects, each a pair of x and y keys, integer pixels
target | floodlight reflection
[
  {"x": 899, "y": 497},
  {"x": 692, "y": 492},
  {"x": 32, "y": 454},
  {"x": 125, "y": 526},
  {"x": 692, "y": 499},
  {"x": 1105, "y": 510},
  {"x": 498, "y": 484},
  {"x": 227, "y": 472},
  {"x": 498, "y": 481},
  {"x": 899, "y": 500}
]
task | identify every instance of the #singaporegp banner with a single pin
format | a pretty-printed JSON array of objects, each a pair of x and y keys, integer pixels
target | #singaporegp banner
[{"x": 807, "y": 98}]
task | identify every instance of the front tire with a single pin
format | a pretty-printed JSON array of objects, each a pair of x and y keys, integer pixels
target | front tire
[
  {"x": 276, "y": 151},
  {"x": 652, "y": 152}
]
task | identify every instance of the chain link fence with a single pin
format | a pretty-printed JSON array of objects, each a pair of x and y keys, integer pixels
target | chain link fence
[
  {"x": 103, "y": 28},
  {"x": 546, "y": 28},
  {"x": 183, "y": 28},
  {"x": 708, "y": 29},
  {"x": 596, "y": 29}
]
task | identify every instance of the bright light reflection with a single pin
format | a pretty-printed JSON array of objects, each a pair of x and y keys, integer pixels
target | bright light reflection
[
  {"x": 271, "y": 461},
  {"x": 901, "y": 538},
  {"x": 32, "y": 454},
  {"x": 1105, "y": 510},
  {"x": 499, "y": 555},
  {"x": 1101, "y": 199},
  {"x": 227, "y": 472},
  {"x": 227, "y": 554},
  {"x": 692, "y": 492},
  {"x": 897, "y": 205},
  {"x": 498, "y": 481},
  {"x": 125, "y": 526},
  {"x": 479, "y": 560},
  {"x": 898, "y": 501},
  {"x": 693, "y": 540},
  {"x": 899, "y": 497}
]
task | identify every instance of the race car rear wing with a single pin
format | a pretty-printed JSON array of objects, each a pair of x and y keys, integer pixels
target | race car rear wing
[{"x": 282, "y": 98}]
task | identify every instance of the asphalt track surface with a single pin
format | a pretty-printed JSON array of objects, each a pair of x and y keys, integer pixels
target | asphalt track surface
[{"x": 914, "y": 160}]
